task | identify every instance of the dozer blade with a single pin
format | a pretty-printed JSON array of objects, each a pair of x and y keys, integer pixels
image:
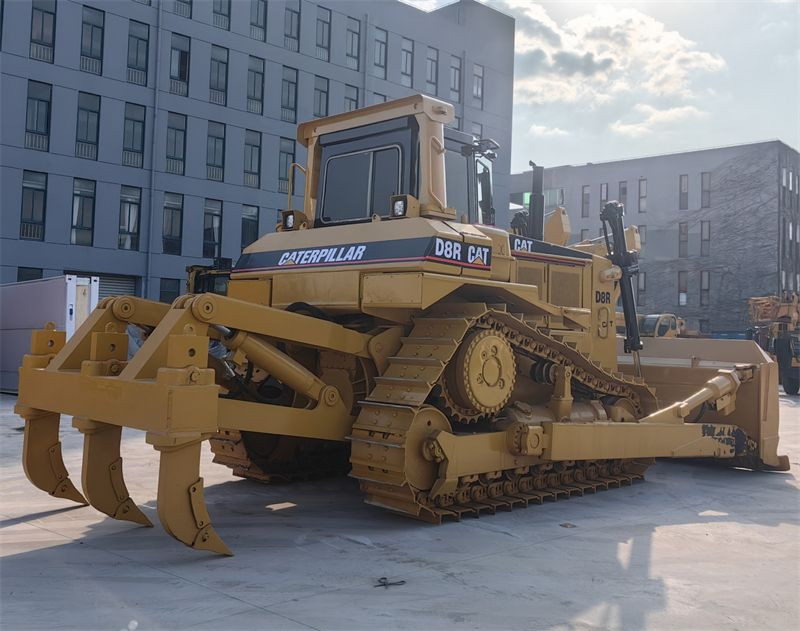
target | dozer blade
[
  {"x": 101, "y": 477},
  {"x": 181, "y": 504},
  {"x": 41, "y": 455}
]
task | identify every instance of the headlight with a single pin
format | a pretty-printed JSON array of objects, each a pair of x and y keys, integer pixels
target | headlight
[
  {"x": 399, "y": 208},
  {"x": 288, "y": 221}
]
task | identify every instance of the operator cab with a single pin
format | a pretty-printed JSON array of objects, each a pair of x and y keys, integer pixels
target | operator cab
[{"x": 362, "y": 168}]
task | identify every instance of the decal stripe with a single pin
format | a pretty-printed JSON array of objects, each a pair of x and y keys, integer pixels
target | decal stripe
[{"x": 433, "y": 259}]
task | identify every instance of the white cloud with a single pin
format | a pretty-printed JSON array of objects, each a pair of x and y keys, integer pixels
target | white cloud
[
  {"x": 654, "y": 118},
  {"x": 547, "y": 132}
]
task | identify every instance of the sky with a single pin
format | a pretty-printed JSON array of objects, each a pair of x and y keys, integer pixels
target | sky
[{"x": 604, "y": 81}]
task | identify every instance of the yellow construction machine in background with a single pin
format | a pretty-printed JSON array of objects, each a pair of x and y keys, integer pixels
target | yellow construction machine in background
[
  {"x": 387, "y": 327},
  {"x": 775, "y": 326}
]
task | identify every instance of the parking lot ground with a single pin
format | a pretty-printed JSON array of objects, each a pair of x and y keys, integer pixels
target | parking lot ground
[{"x": 693, "y": 547}]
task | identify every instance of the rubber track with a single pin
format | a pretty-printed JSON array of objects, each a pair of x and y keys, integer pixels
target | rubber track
[{"x": 378, "y": 435}]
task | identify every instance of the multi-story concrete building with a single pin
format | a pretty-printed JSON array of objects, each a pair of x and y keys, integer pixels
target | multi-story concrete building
[
  {"x": 141, "y": 136},
  {"x": 718, "y": 225}
]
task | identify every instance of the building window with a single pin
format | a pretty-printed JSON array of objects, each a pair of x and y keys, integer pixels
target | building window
[
  {"x": 212, "y": 228},
  {"x": 705, "y": 288},
  {"x": 172, "y": 231},
  {"x": 176, "y": 142},
  {"x": 378, "y": 98},
  {"x": 320, "y": 96},
  {"x": 323, "y": 33},
  {"x": 705, "y": 238},
  {"x": 170, "y": 289},
  {"x": 553, "y": 197},
  {"x": 683, "y": 192},
  {"x": 353, "y": 43},
  {"x": 92, "y": 40},
  {"x": 456, "y": 124},
  {"x": 350, "y": 98},
  {"x": 249, "y": 225},
  {"x": 221, "y": 14},
  {"x": 584, "y": 234},
  {"x": 218, "y": 82},
  {"x": 82, "y": 212},
  {"x": 585, "y": 197},
  {"x": 407, "y": 62},
  {"x": 28, "y": 273},
  {"x": 432, "y": 71},
  {"x": 182, "y": 8},
  {"x": 623, "y": 193},
  {"x": 34, "y": 204},
  {"x": 285, "y": 160},
  {"x": 705, "y": 190},
  {"x": 455, "y": 79},
  {"x": 291, "y": 26},
  {"x": 642, "y": 235},
  {"x": 88, "y": 130},
  {"x": 130, "y": 200},
  {"x": 37, "y": 117},
  {"x": 381, "y": 44},
  {"x": 683, "y": 239},
  {"x": 642, "y": 195},
  {"x": 477, "y": 130},
  {"x": 683, "y": 282},
  {"x": 641, "y": 288},
  {"x": 477, "y": 84},
  {"x": 215, "y": 152},
  {"x": 255, "y": 85},
  {"x": 43, "y": 30},
  {"x": 133, "y": 135},
  {"x": 705, "y": 326},
  {"x": 138, "y": 43},
  {"x": 252, "y": 158},
  {"x": 258, "y": 20},
  {"x": 179, "y": 65},
  {"x": 603, "y": 195},
  {"x": 289, "y": 95}
]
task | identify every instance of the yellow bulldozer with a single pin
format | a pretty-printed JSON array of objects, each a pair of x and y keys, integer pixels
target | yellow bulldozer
[{"x": 387, "y": 328}]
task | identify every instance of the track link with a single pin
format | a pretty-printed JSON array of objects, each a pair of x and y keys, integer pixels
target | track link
[{"x": 381, "y": 441}]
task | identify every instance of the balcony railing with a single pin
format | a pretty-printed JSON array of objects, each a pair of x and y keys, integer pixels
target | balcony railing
[
  {"x": 139, "y": 77},
  {"x": 323, "y": 53},
  {"x": 291, "y": 43},
  {"x": 256, "y": 32},
  {"x": 31, "y": 230},
  {"x": 288, "y": 114},
  {"x": 132, "y": 159},
  {"x": 251, "y": 179},
  {"x": 283, "y": 186},
  {"x": 214, "y": 173},
  {"x": 86, "y": 150},
  {"x": 255, "y": 106},
  {"x": 217, "y": 96},
  {"x": 184, "y": 9},
  {"x": 176, "y": 86},
  {"x": 91, "y": 64},
  {"x": 40, "y": 142},
  {"x": 171, "y": 245},
  {"x": 222, "y": 21},
  {"x": 41, "y": 52},
  {"x": 175, "y": 166}
]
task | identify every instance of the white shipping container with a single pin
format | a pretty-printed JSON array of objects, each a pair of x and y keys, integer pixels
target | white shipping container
[{"x": 27, "y": 306}]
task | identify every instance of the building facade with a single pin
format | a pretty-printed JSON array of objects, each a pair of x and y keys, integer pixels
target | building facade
[
  {"x": 718, "y": 225},
  {"x": 142, "y": 136}
]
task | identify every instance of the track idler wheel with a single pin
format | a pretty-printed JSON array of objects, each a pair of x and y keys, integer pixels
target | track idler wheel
[
  {"x": 41, "y": 455},
  {"x": 101, "y": 477},
  {"x": 181, "y": 502}
]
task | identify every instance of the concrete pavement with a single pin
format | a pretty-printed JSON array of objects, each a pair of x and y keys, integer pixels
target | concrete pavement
[{"x": 693, "y": 547}]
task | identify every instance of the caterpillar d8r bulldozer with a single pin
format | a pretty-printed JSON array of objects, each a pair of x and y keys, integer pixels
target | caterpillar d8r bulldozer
[{"x": 387, "y": 328}]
